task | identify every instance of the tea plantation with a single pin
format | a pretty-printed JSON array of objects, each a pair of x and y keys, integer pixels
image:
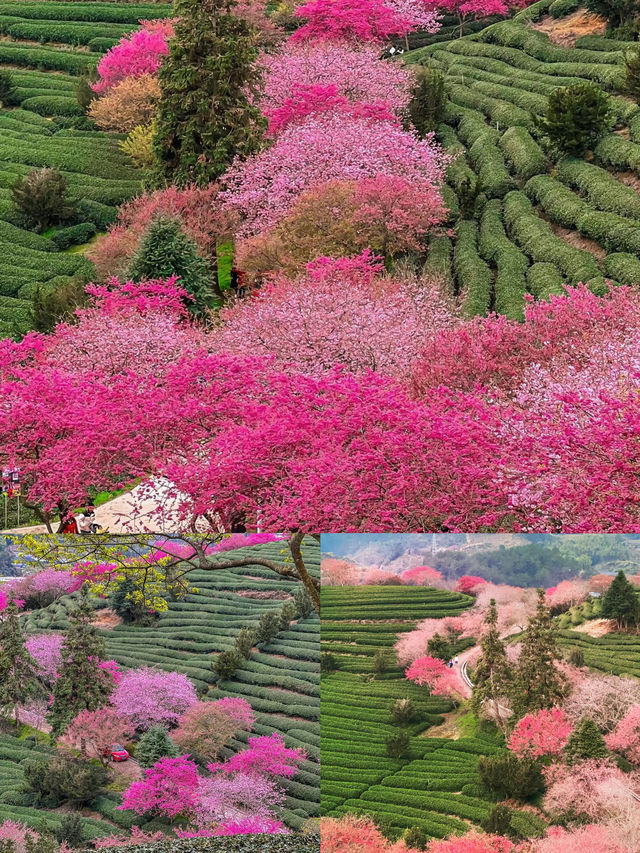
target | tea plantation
[
  {"x": 47, "y": 46},
  {"x": 537, "y": 223},
  {"x": 281, "y": 681},
  {"x": 435, "y": 786},
  {"x": 616, "y": 654}
]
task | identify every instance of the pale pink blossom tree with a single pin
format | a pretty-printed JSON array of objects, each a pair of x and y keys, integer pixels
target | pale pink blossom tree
[
  {"x": 434, "y": 673},
  {"x": 94, "y": 732},
  {"x": 150, "y": 697},
  {"x": 625, "y": 738}
]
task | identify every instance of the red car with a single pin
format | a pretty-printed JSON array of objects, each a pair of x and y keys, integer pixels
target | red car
[{"x": 116, "y": 752}]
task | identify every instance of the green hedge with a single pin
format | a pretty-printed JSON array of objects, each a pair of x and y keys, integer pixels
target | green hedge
[
  {"x": 74, "y": 235},
  {"x": 52, "y": 105},
  {"x": 472, "y": 273},
  {"x": 63, "y": 33},
  {"x": 623, "y": 267},
  {"x": 523, "y": 153},
  {"x": 544, "y": 280},
  {"x": 601, "y": 189},
  {"x": 438, "y": 264},
  {"x": 49, "y": 10},
  {"x": 562, "y": 8},
  {"x": 618, "y": 153},
  {"x": 511, "y": 263},
  {"x": 44, "y": 58}
]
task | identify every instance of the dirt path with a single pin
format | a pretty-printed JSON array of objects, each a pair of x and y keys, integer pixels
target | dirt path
[{"x": 143, "y": 509}]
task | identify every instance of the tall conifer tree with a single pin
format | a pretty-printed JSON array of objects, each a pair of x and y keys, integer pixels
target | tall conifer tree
[
  {"x": 538, "y": 683},
  {"x": 81, "y": 684},
  {"x": 206, "y": 117},
  {"x": 621, "y": 603},
  {"x": 18, "y": 670},
  {"x": 492, "y": 674}
]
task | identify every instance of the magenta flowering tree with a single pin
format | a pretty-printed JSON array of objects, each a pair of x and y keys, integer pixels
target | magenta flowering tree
[
  {"x": 354, "y": 72},
  {"x": 140, "y": 53},
  {"x": 325, "y": 147},
  {"x": 434, "y": 673},
  {"x": 360, "y": 20},
  {"x": 45, "y": 649},
  {"x": 169, "y": 789},
  {"x": 111, "y": 666},
  {"x": 267, "y": 756},
  {"x": 541, "y": 734},
  {"x": 150, "y": 697}
]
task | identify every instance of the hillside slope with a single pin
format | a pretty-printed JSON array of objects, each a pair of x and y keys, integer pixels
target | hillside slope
[{"x": 538, "y": 223}]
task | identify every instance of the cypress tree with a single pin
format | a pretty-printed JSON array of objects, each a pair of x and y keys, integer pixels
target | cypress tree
[
  {"x": 165, "y": 250},
  {"x": 81, "y": 685},
  {"x": 492, "y": 675},
  {"x": 154, "y": 745},
  {"x": 538, "y": 683},
  {"x": 18, "y": 670},
  {"x": 621, "y": 602},
  {"x": 205, "y": 117},
  {"x": 585, "y": 741}
]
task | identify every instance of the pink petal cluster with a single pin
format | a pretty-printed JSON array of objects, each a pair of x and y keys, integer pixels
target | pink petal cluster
[
  {"x": 45, "y": 649},
  {"x": 16, "y": 834},
  {"x": 469, "y": 583},
  {"x": 593, "y": 838},
  {"x": 169, "y": 788},
  {"x": 140, "y": 53},
  {"x": 473, "y": 842},
  {"x": 625, "y": 738},
  {"x": 267, "y": 757},
  {"x": 541, "y": 734},
  {"x": 150, "y": 697},
  {"x": 434, "y": 673},
  {"x": 592, "y": 789},
  {"x": 360, "y": 20}
]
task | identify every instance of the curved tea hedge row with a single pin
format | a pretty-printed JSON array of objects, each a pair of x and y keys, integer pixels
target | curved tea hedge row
[
  {"x": 436, "y": 785},
  {"x": 281, "y": 680},
  {"x": 618, "y": 654},
  {"x": 498, "y": 80}
]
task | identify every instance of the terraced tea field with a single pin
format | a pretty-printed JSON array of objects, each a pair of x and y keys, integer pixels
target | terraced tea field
[
  {"x": 281, "y": 681},
  {"x": 47, "y": 46},
  {"x": 537, "y": 224},
  {"x": 617, "y": 654},
  {"x": 436, "y": 786}
]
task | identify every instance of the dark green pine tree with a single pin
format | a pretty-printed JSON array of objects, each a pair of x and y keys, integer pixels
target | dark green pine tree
[
  {"x": 165, "y": 250},
  {"x": 538, "y": 683},
  {"x": 18, "y": 670},
  {"x": 81, "y": 685},
  {"x": 154, "y": 745},
  {"x": 492, "y": 675},
  {"x": 621, "y": 603},
  {"x": 428, "y": 100},
  {"x": 586, "y": 741},
  {"x": 206, "y": 117}
]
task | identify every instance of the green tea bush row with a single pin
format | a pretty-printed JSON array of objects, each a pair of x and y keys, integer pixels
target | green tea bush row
[
  {"x": 472, "y": 273},
  {"x": 623, "y": 267},
  {"x": 63, "y": 33},
  {"x": 499, "y": 112},
  {"x": 489, "y": 165},
  {"x": 535, "y": 237},
  {"x": 52, "y": 105},
  {"x": 535, "y": 11},
  {"x": 538, "y": 45},
  {"x": 523, "y": 153},
  {"x": 562, "y": 8},
  {"x": 126, "y": 13},
  {"x": 44, "y": 58},
  {"x": 603, "y": 43},
  {"x": 511, "y": 263},
  {"x": 438, "y": 264},
  {"x": 544, "y": 280},
  {"x": 101, "y": 44},
  {"x": 619, "y": 154},
  {"x": 601, "y": 189}
]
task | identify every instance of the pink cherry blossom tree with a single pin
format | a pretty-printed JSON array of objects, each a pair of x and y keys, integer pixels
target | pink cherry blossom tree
[
  {"x": 541, "y": 734},
  {"x": 169, "y": 788},
  {"x": 361, "y": 319},
  {"x": 150, "y": 697},
  {"x": 422, "y": 576},
  {"x": 93, "y": 732},
  {"x": 45, "y": 649},
  {"x": 567, "y": 594},
  {"x": 606, "y": 699},
  {"x": 625, "y": 738},
  {"x": 436, "y": 675},
  {"x": 267, "y": 756},
  {"x": 356, "y": 72},
  {"x": 359, "y": 20},
  {"x": 337, "y": 572},
  {"x": 473, "y": 842},
  {"x": 206, "y": 727},
  {"x": 225, "y": 799},
  {"x": 140, "y": 53},
  {"x": 328, "y": 146},
  {"x": 593, "y": 838},
  {"x": 469, "y": 584},
  {"x": 592, "y": 789}
]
